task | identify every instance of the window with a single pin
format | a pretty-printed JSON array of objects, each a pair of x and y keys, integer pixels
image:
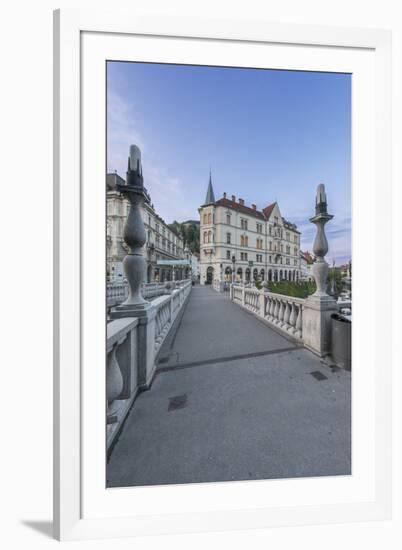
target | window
[
  {"x": 243, "y": 223},
  {"x": 259, "y": 258},
  {"x": 243, "y": 240},
  {"x": 243, "y": 256},
  {"x": 210, "y": 237},
  {"x": 287, "y": 249},
  {"x": 287, "y": 236},
  {"x": 157, "y": 227},
  {"x": 228, "y": 219},
  {"x": 205, "y": 218},
  {"x": 205, "y": 236},
  {"x": 270, "y": 259},
  {"x": 270, "y": 229},
  {"x": 228, "y": 254},
  {"x": 270, "y": 245},
  {"x": 295, "y": 251},
  {"x": 259, "y": 228},
  {"x": 259, "y": 243},
  {"x": 210, "y": 218},
  {"x": 228, "y": 235}
]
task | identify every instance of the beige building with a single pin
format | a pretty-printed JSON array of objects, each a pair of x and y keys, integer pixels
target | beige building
[
  {"x": 163, "y": 243},
  {"x": 259, "y": 244}
]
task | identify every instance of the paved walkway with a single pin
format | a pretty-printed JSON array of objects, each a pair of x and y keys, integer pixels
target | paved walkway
[{"x": 234, "y": 400}]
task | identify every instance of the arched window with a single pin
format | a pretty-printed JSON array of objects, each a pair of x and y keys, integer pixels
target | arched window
[
  {"x": 246, "y": 241},
  {"x": 205, "y": 218},
  {"x": 209, "y": 217},
  {"x": 205, "y": 237},
  {"x": 210, "y": 239},
  {"x": 262, "y": 274},
  {"x": 255, "y": 274}
]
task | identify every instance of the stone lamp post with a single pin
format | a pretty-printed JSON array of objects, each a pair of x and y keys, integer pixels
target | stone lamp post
[
  {"x": 320, "y": 247},
  {"x": 134, "y": 266},
  {"x": 319, "y": 307}
]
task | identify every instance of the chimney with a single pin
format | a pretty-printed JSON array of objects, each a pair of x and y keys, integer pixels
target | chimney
[
  {"x": 224, "y": 195},
  {"x": 254, "y": 206},
  {"x": 233, "y": 198},
  {"x": 241, "y": 201}
]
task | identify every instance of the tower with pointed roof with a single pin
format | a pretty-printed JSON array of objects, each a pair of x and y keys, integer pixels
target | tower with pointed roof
[{"x": 210, "y": 198}]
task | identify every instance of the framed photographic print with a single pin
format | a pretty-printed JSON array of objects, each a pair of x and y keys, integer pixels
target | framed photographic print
[{"x": 218, "y": 189}]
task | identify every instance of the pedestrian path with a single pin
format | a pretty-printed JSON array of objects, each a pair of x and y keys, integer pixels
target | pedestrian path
[
  {"x": 234, "y": 400},
  {"x": 213, "y": 328}
]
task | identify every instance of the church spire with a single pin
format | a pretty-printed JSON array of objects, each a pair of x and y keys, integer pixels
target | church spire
[{"x": 210, "y": 198}]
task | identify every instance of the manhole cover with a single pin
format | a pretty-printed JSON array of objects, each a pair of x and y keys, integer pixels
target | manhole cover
[
  {"x": 177, "y": 402},
  {"x": 318, "y": 375}
]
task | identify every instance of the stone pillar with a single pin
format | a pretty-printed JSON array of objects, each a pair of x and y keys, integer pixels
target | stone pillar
[
  {"x": 320, "y": 306},
  {"x": 134, "y": 265}
]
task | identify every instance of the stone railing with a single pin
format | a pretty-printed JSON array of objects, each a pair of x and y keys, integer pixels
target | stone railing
[
  {"x": 286, "y": 312},
  {"x": 132, "y": 347},
  {"x": 116, "y": 293},
  {"x": 121, "y": 371},
  {"x": 283, "y": 312},
  {"x": 167, "y": 309}
]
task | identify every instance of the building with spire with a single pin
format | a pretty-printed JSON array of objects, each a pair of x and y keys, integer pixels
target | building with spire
[{"x": 257, "y": 244}]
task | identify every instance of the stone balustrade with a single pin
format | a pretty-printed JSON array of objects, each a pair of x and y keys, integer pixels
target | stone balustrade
[
  {"x": 121, "y": 371},
  {"x": 167, "y": 309},
  {"x": 286, "y": 312},
  {"x": 132, "y": 348},
  {"x": 116, "y": 293},
  {"x": 283, "y": 312}
]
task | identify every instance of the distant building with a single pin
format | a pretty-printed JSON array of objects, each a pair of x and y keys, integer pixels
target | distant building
[
  {"x": 306, "y": 266},
  {"x": 263, "y": 244},
  {"x": 163, "y": 242}
]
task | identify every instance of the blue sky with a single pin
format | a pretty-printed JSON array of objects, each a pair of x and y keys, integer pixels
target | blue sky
[{"x": 267, "y": 135}]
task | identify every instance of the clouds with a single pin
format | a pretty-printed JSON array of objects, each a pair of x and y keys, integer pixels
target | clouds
[
  {"x": 183, "y": 121},
  {"x": 123, "y": 129}
]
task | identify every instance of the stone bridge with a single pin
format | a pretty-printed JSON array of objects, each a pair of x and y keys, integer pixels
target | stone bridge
[{"x": 233, "y": 397}]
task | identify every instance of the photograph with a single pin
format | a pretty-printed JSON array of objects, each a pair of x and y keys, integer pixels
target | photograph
[{"x": 228, "y": 274}]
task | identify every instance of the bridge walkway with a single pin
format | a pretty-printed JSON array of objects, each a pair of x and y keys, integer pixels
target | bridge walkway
[{"x": 234, "y": 400}]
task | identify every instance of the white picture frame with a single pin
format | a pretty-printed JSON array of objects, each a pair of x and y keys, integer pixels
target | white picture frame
[{"x": 83, "y": 508}]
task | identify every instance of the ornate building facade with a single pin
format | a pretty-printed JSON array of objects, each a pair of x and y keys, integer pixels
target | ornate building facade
[
  {"x": 163, "y": 243},
  {"x": 256, "y": 244}
]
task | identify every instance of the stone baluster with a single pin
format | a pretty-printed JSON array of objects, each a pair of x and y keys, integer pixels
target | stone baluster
[
  {"x": 286, "y": 316},
  {"x": 292, "y": 319},
  {"x": 299, "y": 322},
  {"x": 114, "y": 384},
  {"x": 281, "y": 312}
]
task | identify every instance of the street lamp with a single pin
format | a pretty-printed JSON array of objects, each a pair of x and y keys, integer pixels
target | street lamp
[{"x": 233, "y": 268}]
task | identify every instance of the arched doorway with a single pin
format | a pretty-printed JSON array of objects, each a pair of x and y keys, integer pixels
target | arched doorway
[
  {"x": 228, "y": 274},
  {"x": 262, "y": 274},
  {"x": 280, "y": 275},
  {"x": 255, "y": 274},
  {"x": 248, "y": 275},
  {"x": 270, "y": 275},
  {"x": 240, "y": 274},
  {"x": 210, "y": 275}
]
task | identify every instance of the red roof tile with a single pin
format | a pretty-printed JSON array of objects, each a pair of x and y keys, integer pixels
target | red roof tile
[{"x": 240, "y": 208}]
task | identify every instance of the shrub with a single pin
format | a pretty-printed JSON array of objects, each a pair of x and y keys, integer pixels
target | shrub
[{"x": 300, "y": 289}]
